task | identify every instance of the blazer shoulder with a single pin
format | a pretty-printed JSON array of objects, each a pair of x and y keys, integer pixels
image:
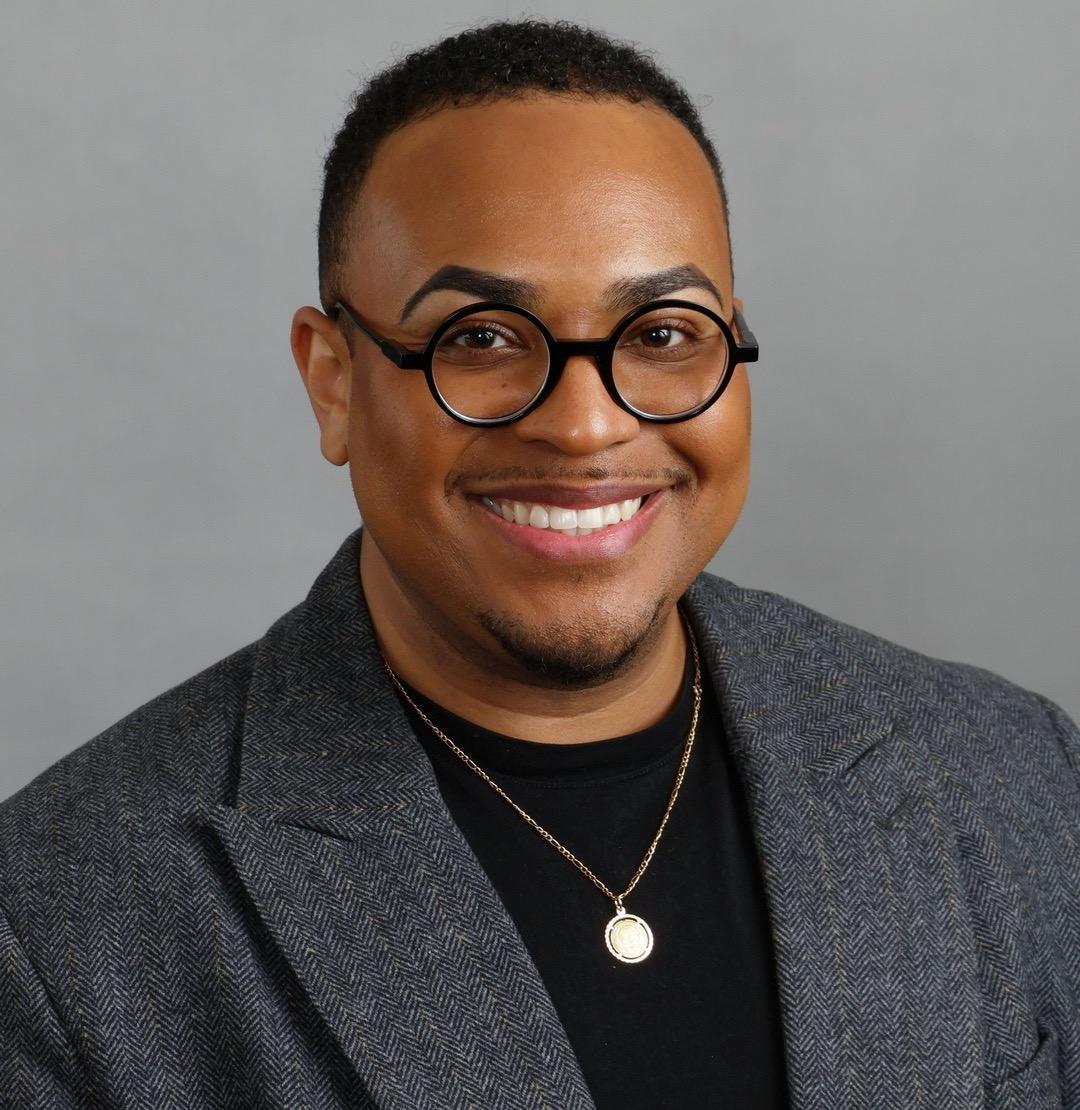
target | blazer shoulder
[
  {"x": 173, "y": 752},
  {"x": 981, "y": 710}
]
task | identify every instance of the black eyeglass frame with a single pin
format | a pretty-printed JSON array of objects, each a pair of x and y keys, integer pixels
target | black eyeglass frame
[{"x": 744, "y": 349}]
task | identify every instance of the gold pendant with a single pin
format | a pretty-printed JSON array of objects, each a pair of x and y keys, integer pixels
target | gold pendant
[{"x": 628, "y": 937}]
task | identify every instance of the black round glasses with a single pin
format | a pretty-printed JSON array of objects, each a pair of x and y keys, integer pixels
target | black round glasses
[{"x": 492, "y": 363}]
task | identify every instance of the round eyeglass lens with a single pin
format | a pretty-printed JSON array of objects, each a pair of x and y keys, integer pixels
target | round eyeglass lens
[
  {"x": 490, "y": 364},
  {"x": 670, "y": 361}
]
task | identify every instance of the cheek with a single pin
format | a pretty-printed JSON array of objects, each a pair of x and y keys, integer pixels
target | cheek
[
  {"x": 385, "y": 419},
  {"x": 718, "y": 442},
  {"x": 717, "y": 445},
  {"x": 401, "y": 447}
]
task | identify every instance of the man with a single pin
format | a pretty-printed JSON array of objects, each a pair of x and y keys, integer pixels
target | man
[{"x": 521, "y": 808}]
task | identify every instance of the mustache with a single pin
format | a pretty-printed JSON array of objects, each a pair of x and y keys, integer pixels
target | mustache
[{"x": 660, "y": 476}]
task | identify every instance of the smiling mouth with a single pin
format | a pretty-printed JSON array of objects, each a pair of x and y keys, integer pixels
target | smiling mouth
[{"x": 568, "y": 522}]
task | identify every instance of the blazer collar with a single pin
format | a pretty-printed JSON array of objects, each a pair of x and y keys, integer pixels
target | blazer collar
[{"x": 341, "y": 837}]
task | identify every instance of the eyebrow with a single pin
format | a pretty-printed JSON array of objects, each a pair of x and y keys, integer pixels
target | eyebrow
[{"x": 626, "y": 293}]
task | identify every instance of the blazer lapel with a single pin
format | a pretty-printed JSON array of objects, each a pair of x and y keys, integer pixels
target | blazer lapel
[
  {"x": 350, "y": 856},
  {"x": 351, "y": 859},
  {"x": 875, "y": 959}
]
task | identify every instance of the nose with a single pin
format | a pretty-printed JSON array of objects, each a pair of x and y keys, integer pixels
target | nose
[{"x": 579, "y": 416}]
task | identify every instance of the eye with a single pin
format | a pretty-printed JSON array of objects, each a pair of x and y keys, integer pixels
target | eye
[
  {"x": 662, "y": 335},
  {"x": 486, "y": 340},
  {"x": 478, "y": 337}
]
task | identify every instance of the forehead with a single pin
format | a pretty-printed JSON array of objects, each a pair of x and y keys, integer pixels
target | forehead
[{"x": 558, "y": 187}]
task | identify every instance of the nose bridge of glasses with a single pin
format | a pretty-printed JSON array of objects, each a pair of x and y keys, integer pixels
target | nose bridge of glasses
[
  {"x": 597, "y": 351},
  {"x": 565, "y": 349},
  {"x": 580, "y": 400}
]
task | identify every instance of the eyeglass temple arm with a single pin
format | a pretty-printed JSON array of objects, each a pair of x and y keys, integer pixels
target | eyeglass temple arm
[
  {"x": 747, "y": 344},
  {"x": 400, "y": 356}
]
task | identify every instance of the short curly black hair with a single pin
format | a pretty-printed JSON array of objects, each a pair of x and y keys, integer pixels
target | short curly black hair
[{"x": 491, "y": 62}]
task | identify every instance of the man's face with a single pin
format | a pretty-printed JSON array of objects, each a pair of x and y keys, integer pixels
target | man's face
[{"x": 572, "y": 197}]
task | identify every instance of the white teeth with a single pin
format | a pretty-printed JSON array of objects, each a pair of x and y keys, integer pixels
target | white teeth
[{"x": 571, "y": 522}]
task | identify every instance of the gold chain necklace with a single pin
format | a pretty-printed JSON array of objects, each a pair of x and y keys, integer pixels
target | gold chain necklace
[{"x": 628, "y": 936}]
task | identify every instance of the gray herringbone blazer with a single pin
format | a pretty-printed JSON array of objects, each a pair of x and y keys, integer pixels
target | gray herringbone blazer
[{"x": 249, "y": 892}]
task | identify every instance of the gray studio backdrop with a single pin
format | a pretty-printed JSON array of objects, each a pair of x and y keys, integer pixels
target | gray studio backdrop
[{"x": 903, "y": 187}]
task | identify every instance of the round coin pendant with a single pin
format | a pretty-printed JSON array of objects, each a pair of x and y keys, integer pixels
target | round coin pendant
[{"x": 628, "y": 937}]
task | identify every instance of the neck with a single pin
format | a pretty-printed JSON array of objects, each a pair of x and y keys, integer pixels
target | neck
[{"x": 479, "y": 682}]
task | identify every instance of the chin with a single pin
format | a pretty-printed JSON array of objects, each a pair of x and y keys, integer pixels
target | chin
[{"x": 578, "y": 652}]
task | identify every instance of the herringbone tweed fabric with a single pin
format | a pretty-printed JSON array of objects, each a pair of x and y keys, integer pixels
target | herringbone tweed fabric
[{"x": 249, "y": 892}]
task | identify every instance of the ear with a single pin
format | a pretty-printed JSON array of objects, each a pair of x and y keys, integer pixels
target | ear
[
  {"x": 737, "y": 302},
  {"x": 322, "y": 357}
]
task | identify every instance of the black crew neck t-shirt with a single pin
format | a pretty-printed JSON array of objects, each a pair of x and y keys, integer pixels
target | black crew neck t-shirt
[{"x": 696, "y": 1023}]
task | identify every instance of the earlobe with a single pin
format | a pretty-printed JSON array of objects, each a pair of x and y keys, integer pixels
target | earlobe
[{"x": 322, "y": 358}]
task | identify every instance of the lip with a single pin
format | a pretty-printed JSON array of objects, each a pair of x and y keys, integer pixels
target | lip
[
  {"x": 607, "y": 543},
  {"x": 567, "y": 497}
]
